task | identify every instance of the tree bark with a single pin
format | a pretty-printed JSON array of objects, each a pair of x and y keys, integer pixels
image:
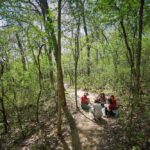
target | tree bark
[
  {"x": 127, "y": 44},
  {"x": 21, "y": 52},
  {"x": 130, "y": 58},
  {"x": 51, "y": 74},
  {"x": 87, "y": 38},
  {"x": 60, "y": 84},
  {"x": 5, "y": 122},
  {"x": 139, "y": 48},
  {"x": 40, "y": 77},
  {"x": 40, "y": 82},
  {"x": 47, "y": 24},
  {"x": 76, "y": 58},
  {"x": 4, "y": 115},
  {"x": 57, "y": 54},
  {"x": 16, "y": 107}
]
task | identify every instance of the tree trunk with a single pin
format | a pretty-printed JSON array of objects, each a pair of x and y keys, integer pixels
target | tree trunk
[
  {"x": 76, "y": 58},
  {"x": 57, "y": 54},
  {"x": 16, "y": 107},
  {"x": 40, "y": 82},
  {"x": 2, "y": 100},
  {"x": 51, "y": 69},
  {"x": 139, "y": 48},
  {"x": 21, "y": 52},
  {"x": 60, "y": 84},
  {"x": 47, "y": 25},
  {"x": 4, "y": 115},
  {"x": 75, "y": 76},
  {"x": 40, "y": 77},
  {"x": 130, "y": 58},
  {"x": 87, "y": 38}
]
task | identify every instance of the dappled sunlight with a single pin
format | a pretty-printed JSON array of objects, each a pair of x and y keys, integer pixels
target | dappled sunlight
[
  {"x": 91, "y": 132},
  {"x": 74, "y": 74}
]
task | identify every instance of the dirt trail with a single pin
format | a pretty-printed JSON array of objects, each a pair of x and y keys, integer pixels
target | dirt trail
[{"x": 91, "y": 133}]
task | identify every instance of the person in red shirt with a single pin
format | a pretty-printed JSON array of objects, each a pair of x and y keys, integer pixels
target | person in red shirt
[
  {"x": 112, "y": 105},
  {"x": 85, "y": 102}
]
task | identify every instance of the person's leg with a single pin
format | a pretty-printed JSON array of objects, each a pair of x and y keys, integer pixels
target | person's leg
[
  {"x": 115, "y": 112},
  {"x": 91, "y": 108},
  {"x": 111, "y": 113},
  {"x": 106, "y": 111},
  {"x": 85, "y": 107}
]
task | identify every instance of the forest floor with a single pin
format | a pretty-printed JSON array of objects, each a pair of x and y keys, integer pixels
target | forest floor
[{"x": 81, "y": 132}]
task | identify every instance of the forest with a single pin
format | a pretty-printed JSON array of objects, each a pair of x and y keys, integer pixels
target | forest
[{"x": 52, "y": 52}]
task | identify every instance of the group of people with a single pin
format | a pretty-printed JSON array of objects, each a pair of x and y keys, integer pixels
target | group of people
[{"x": 103, "y": 106}]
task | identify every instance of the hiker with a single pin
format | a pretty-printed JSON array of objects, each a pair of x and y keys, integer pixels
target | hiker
[
  {"x": 114, "y": 103},
  {"x": 97, "y": 100},
  {"x": 97, "y": 113},
  {"x": 101, "y": 99},
  {"x": 85, "y": 102},
  {"x": 111, "y": 107}
]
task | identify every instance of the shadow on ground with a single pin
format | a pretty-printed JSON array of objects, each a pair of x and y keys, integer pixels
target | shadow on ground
[{"x": 76, "y": 145}]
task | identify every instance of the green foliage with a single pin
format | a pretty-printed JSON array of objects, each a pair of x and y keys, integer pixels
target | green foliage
[{"x": 109, "y": 58}]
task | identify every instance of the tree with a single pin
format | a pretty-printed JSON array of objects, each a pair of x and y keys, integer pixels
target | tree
[
  {"x": 21, "y": 52},
  {"x": 47, "y": 25},
  {"x": 5, "y": 122},
  {"x": 139, "y": 47},
  {"x": 86, "y": 34}
]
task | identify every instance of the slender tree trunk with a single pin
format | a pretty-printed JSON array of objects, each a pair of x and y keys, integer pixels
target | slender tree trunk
[
  {"x": 40, "y": 82},
  {"x": 139, "y": 48},
  {"x": 76, "y": 58},
  {"x": 135, "y": 64},
  {"x": 70, "y": 78},
  {"x": 60, "y": 84},
  {"x": 21, "y": 52},
  {"x": 130, "y": 58},
  {"x": 87, "y": 38},
  {"x": 5, "y": 122},
  {"x": 57, "y": 54},
  {"x": 4, "y": 115},
  {"x": 75, "y": 76},
  {"x": 40, "y": 77},
  {"x": 88, "y": 47},
  {"x": 16, "y": 108},
  {"x": 50, "y": 30},
  {"x": 47, "y": 24},
  {"x": 51, "y": 69}
]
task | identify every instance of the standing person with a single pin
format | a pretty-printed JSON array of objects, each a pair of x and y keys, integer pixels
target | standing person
[{"x": 85, "y": 102}]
